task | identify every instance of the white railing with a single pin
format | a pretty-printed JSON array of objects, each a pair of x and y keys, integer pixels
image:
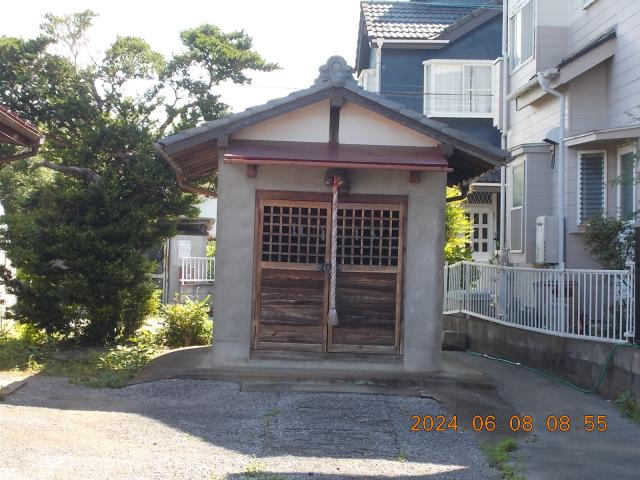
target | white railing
[
  {"x": 198, "y": 270},
  {"x": 588, "y": 304}
]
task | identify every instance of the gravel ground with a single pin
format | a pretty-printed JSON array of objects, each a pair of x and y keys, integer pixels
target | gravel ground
[{"x": 196, "y": 429}]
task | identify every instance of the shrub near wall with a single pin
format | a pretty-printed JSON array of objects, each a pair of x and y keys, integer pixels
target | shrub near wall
[{"x": 186, "y": 324}]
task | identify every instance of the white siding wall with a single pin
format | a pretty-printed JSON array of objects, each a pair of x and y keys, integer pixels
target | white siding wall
[
  {"x": 551, "y": 32},
  {"x": 598, "y": 99},
  {"x": 530, "y": 124},
  {"x": 587, "y": 102},
  {"x": 623, "y": 77}
]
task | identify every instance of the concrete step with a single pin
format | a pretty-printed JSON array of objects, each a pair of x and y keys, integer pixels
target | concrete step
[{"x": 310, "y": 387}]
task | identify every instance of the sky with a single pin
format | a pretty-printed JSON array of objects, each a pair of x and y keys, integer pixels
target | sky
[{"x": 299, "y": 35}]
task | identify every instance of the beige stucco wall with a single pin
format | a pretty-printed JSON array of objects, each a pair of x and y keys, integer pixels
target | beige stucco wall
[
  {"x": 358, "y": 126},
  {"x": 422, "y": 302},
  {"x": 307, "y": 124}
]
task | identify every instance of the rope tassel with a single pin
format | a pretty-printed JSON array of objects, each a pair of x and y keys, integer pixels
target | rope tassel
[{"x": 333, "y": 313}]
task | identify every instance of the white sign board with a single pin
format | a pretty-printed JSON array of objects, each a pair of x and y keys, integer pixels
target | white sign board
[{"x": 184, "y": 248}]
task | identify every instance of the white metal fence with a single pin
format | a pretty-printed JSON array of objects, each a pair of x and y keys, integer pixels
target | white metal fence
[
  {"x": 591, "y": 304},
  {"x": 198, "y": 270}
]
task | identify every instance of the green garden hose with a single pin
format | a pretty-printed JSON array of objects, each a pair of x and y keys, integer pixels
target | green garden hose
[{"x": 603, "y": 373}]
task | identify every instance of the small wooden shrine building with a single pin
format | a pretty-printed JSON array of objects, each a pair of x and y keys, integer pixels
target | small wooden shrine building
[{"x": 283, "y": 295}]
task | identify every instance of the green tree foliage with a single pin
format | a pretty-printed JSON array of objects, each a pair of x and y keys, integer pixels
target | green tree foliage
[
  {"x": 611, "y": 241},
  {"x": 211, "y": 248},
  {"x": 457, "y": 230},
  {"x": 80, "y": 217}
]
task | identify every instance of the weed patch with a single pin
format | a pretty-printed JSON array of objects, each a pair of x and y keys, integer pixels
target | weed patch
[
  {"x": 500, "y": 456},
  {"x": 270, "y": 415},
  {"x": 629, "y": 406},
  {"x": 94, "y": 367}
]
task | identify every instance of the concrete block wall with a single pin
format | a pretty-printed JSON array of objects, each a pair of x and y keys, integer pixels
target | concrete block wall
[{"x": 578, "y": 361}]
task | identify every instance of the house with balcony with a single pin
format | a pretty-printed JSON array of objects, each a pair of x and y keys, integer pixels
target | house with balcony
[
  {"x": 439, "y": 58},
  {"x": 572, "y": 124}
]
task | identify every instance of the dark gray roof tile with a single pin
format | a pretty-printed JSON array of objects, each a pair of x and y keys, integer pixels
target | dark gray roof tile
[{"x": 409, "y": 20}]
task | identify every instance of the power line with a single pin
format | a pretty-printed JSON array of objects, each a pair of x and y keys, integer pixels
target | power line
[{"x": 391, "y": 92}]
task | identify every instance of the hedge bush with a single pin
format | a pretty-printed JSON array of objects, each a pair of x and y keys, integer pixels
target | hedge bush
[{"x": 186, "y": 324}]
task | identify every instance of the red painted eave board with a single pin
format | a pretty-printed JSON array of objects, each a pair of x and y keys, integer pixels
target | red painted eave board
[{"x": 342, "y": 155}]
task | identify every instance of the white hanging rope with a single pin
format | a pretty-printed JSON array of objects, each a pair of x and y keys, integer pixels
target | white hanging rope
[{"x": 333, "y": 313}]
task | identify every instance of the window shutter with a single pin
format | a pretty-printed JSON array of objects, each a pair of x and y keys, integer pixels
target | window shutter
[{"x": 592, "y": 185}]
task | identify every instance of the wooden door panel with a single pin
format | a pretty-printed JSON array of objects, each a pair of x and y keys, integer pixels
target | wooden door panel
[
  {"x": 291, "y": 298},
  {"x": 368, "y": 287},
  {"x": 366, "y": 298},
  {"x": 366, "y": 304},
  {"x": 292, "y": 289},
  {"x": 291, "y": 310}
]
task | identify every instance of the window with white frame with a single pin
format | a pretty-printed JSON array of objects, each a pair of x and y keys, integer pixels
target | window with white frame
[
  {"x": 521, "y": 35},
  {"x": 592, "y": 185},
  {"x": 626, "y": 182},
  {"x": 517, "y": 207},
  {"x": 458, "y": 89}
]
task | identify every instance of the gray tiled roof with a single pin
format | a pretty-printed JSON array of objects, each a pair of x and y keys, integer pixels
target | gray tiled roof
[
  {"x": 476, "y": 156},
  {"x": 490, "y": 177},
  {"x": 409, "y": 20}
]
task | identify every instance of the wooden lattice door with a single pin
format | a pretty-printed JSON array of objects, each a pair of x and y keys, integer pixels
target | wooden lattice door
[
  {"x": 291, "y": 301},
  {"x": 292, "y": 279},
  {"x": 369, "y": 282}
]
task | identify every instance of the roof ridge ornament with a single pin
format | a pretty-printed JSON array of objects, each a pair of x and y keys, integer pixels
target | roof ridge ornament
[{"x": 335, "y": 71}]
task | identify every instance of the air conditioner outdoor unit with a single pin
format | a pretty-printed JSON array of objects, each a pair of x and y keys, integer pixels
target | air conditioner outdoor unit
[{"x": 546, "y": 239}]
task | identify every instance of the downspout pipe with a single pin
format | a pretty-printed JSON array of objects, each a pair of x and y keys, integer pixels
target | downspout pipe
[
  {"x": 543, "y": 80},
  {"x": 505, "y": 126},
  {"x": 379, "y": 42}
]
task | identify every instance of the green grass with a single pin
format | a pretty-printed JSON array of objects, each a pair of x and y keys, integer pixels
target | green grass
[
  {"x": 500, "y": 456},
  {"x": 629, "y": 406},
  {"x": 24, "y": 351},
  {"x": 270, "y": 415},
  {"x": 256, "y": 469}
]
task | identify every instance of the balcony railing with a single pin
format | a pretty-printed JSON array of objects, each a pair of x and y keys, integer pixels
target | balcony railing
[
  {"x": 588, "y": 304},
  {"x": 198, "y": 270}
]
